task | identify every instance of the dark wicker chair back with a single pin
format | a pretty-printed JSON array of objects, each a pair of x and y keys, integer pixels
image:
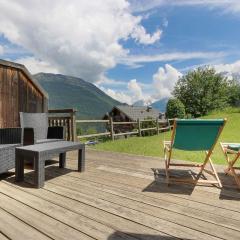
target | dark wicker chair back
[
  {"x": 10, "y": 138},
  {"x": 10, "y": 135}
]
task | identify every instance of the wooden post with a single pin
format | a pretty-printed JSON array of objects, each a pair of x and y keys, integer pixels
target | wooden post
[
  {"x": 111, "y": 128},
  {"x": 157, "y": 126},
  {"x": 139, "y": 128},
  {"x": 73, "y": 125}
]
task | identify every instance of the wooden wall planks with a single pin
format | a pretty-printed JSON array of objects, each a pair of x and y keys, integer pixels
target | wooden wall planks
[{"x": 18, "y": 94}]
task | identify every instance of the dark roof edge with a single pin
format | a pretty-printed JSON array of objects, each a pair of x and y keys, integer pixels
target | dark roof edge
[{"x": 26, "y": 72}]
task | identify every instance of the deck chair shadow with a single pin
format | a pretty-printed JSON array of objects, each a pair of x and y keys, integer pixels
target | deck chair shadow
[{"x": 194, "y": 135}]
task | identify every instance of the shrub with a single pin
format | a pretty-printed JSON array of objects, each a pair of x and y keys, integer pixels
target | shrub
[{"x": 175, "y": 109}]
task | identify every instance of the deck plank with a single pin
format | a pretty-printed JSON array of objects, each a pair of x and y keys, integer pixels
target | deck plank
[
  {"x": 3, "y": 237},
  {"x": 70, "y": 218},
  {"x": 117, "y": 197},
  {"x": 178, "y": 213},
  {"x": 176, "y": 193},
  {"x": 99, "y": 215},
  {"x": 38, "y": 220},
  {"x": 170, "y": 216},
  {"x": 19, "y": 229}
]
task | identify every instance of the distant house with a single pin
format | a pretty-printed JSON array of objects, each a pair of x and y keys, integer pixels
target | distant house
[
  {"x": 126, "y": 113},
  {"x": 19, "y": 92}
]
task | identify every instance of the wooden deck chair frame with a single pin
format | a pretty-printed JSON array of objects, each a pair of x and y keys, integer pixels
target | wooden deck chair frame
[
  {"x": 231, "y": 169},
  {"x": 168, "y": 148}
]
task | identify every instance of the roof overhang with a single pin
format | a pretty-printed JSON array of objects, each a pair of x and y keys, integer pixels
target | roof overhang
[{"x": 24, "y": 70}]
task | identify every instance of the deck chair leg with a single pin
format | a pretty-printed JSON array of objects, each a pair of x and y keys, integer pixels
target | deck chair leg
[
  {"x": 203, "y": 165},
  {"x": 167, "y": 159},
  {"x": 229, "y": 163},
  {"x": 215, "y": 173},
  {"x": 235, "y": 176},
  {"x": 232, "y": 170},
  {"x": 167, "y": 173}
]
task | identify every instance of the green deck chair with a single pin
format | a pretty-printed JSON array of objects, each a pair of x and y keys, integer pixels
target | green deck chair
[{"x": 194, "y": 135}]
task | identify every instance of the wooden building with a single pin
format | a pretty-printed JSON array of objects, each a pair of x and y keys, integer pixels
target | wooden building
[
  {"x": 19, "y": 92},
  {"x": 126, "y": 113}
]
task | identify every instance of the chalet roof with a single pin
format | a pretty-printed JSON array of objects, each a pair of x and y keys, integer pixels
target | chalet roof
[
  {"x": 141, "y": 113},
  {"x": 26, "y": 72}
]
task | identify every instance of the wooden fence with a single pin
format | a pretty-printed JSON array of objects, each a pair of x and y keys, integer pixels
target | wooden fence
[
  {"x": 67, "y": 118},
  {"x": 159, "y": 126}
]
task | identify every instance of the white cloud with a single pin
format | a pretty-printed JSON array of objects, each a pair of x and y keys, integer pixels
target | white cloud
[
  {"x": 161, "y": 87},
  {"x": 78, "y": 37},
  {"x": 140, "y": 34},
  {"x": 230, "y": 68},
  {"x": 228, "y": 6},
  {"x": 232, "y": 6},
  {"x": 118, "y": 95},
  {"x": 165, "y": 22},
  {"x": 36, "y": 65},
  {"x": 131, "y": 94},
  {"x": 135, "y": 90},
  {"x": 134, "y": 60},
  {"x": 164, "y": 80},
  {"x": 1, "y": 50}
]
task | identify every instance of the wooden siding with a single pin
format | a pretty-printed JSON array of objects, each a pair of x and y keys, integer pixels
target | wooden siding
[{"x": 17, "y": 93}]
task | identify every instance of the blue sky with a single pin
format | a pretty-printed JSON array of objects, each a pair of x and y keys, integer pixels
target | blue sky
[{"x": 133, "y": 51}]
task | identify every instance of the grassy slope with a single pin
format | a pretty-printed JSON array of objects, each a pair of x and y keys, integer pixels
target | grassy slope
[{"x": 152, "y": 146}]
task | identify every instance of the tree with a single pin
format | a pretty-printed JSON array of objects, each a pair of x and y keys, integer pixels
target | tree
[
  {"x": 175, "y": 109},
  {"x": 234, "y": 93},
  {"x": 202, "y": 91}
]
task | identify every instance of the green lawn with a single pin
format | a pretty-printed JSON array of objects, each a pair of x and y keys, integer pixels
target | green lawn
[{"x": 153, "y": 146}]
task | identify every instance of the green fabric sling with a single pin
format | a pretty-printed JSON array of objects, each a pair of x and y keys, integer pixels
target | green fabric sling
[{"x": 196, "y": 134}]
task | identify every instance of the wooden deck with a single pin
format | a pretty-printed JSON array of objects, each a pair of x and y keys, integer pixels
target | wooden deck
[{"x": 117, "y": 197}]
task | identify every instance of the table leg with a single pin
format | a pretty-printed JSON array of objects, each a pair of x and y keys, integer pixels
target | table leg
[
  {"x": 62, "y": 160},
  {"x": 81, "y": 159},
  {"x": 19, "y": 168},
  {"x": 39, "y": 177}
]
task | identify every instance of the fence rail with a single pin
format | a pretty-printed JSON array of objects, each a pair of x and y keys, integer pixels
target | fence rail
[
  {"x": 160, "y": 125},
  {"x": 67, "y": 118}
]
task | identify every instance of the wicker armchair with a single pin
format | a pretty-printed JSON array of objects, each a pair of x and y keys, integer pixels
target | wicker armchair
[
  {"x": 10, "y": 138},
  {"x": 36, "y": 130}
]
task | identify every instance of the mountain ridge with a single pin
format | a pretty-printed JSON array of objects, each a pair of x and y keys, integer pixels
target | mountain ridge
[{"x": 72, "y": 92}]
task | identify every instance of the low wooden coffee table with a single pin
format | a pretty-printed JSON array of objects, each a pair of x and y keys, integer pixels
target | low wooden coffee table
[{"x": 44, "y": 151}]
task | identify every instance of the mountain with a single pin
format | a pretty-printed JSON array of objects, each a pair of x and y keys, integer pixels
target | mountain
[
  {"x": 160, "y": 104},
  {"x": 139, "y": 103},
  {"x": 71, "y": 92}
]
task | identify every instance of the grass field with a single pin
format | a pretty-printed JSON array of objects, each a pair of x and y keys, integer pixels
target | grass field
[{"x": 153, "y": 145}]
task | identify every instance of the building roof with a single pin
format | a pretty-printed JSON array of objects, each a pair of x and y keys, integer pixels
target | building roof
[
  {"x": 26, "y": 72},
  {"x": 140, "y": 113}
]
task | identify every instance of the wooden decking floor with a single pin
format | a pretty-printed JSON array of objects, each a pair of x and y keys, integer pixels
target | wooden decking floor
[{"x": 118, "y": 197}]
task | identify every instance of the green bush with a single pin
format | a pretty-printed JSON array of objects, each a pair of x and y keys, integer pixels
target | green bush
[{"x": 175, "y": 109}]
